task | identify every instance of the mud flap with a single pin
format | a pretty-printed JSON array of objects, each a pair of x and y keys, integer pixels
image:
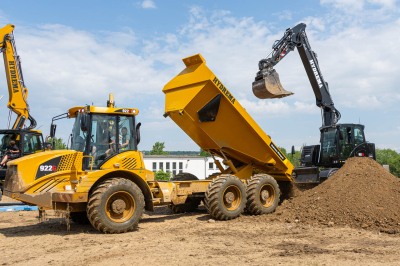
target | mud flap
[{"x": 267, "y": 85}]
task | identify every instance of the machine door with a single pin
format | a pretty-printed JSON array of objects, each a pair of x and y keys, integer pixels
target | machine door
[
  {"x": 346, "y": 141},
  {"x": 329, "y": 147}
]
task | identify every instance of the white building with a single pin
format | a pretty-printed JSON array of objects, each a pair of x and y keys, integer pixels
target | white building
[{"x": 199, "y": 166}]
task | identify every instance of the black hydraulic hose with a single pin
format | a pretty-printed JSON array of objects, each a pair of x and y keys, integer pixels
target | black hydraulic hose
[{"x": 33, "y": 122}]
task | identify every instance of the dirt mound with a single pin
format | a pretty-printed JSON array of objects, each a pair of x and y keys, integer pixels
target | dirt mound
[{"x": 362, "y": 194}]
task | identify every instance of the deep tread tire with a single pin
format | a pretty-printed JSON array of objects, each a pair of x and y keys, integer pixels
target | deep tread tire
[
  {"x": 225, "y": 197},
  {"x": 115, "y": 206},
  {"x": 79, "y": 217},
  {"x": 262, "y": 194}
]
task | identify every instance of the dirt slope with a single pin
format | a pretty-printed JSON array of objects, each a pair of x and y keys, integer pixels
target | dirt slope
[{"x": 362, "y": 194}]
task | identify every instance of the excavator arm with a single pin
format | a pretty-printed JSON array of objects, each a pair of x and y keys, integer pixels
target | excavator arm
[
  {"x": 267, "y": 83},
  {"x": 18, "y": 93}
]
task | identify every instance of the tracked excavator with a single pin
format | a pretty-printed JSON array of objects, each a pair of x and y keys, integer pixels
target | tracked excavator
[
  {"x": 26, "y": 138},
  {"x": 337, "y": 141}
]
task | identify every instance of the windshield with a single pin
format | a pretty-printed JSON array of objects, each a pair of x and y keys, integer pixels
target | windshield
[
  {"x": 328, "y": 144},
  {"x": 102, "y": 136},
  {"x": 78, "y": 136}
]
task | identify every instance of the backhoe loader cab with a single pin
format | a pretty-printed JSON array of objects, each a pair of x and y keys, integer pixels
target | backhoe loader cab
[
  {"x": 27, "y": 141},
  {"x": 101, "y": 133}
]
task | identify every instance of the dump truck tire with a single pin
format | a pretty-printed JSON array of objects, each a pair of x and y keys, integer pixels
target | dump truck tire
[
  {"x": 225, "y": 197},
  {"x": 262, "y": 195},
  {"x": 115, "y": 206},
  {"x": 79, "y": 217}
]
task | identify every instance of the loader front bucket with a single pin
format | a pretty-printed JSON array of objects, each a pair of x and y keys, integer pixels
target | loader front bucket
[{"x": 268, "y": 86}]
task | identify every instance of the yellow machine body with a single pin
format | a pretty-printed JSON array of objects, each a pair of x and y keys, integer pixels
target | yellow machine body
[{"x": 199, "y": 103}]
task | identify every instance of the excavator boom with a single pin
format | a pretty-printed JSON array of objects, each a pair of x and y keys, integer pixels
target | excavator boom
[{"x": 18, "y": 93}]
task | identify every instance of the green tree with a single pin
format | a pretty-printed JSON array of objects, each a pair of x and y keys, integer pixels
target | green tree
[
  {"x": 293, "y": 158},
  {"x": 57, "y": 144},
  {"x": 160, "y": 175},
  {"x": 158, "y": 149},
  {"x": 204, "y": 153},
  {"x": 391, "y": 158}
]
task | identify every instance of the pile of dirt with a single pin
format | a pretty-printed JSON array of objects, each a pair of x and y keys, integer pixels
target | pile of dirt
[{"x": 361, "y": 194}]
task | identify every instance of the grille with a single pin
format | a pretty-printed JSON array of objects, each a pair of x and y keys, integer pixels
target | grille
[
  {"x": 70, "y": 161},
  {"x": 129, "y": 163}
]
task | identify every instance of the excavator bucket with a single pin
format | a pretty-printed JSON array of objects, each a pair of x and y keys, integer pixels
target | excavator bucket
[{"x": 268, "y": 86}]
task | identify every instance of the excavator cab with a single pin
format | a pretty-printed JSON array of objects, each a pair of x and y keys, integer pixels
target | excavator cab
[{"x": 341, "y": 142}]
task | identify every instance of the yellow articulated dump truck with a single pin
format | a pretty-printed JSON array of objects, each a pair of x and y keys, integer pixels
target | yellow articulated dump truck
[{"x": 102, "y": 179}]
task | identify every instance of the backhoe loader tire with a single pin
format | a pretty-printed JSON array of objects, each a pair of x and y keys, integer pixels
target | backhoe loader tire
[
  {"x": 225, "y": 197},
  {"x": 79, "y": 217},
  {"x": 262, "y": 194},
  {"x": 115, "y": 206}
]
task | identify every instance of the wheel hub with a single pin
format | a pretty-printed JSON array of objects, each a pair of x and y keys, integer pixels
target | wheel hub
[
  {"x": 264, "y": 195},
  {"x": 118, "y": 206},
  {"x": 229, "y": 197}
]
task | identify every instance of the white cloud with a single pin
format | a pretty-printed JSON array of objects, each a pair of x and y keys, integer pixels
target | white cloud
[
  {"x": 147, "y": 4},
  {"x": 285, "y": 15},
  {"x": 64, "y": 67}
]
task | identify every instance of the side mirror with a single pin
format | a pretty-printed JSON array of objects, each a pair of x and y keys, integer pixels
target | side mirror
[
  {"x": 53, "y": 128},
  {"x": 138, "y": 133},
  {"x": 293, "y": 150}
]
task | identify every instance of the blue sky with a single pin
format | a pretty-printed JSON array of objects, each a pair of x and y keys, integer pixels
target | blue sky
[{"x": 77, "y": 52}]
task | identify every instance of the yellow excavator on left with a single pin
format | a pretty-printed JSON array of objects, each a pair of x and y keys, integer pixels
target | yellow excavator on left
[{"x": 26, "y": 138}]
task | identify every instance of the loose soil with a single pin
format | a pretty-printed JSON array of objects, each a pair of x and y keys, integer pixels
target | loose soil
[
  {"x": 361, "y": 194},
  {"x": 351, "y": 219}
]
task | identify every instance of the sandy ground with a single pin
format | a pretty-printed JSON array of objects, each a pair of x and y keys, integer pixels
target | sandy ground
[{"x": 191, "y": 239}]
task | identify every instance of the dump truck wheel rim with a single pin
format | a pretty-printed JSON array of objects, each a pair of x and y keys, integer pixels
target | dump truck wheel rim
[
  {"x": 120, "y": 206},
  {"x": 232, "y": 197},
  {"x": 267, "y": 195}
]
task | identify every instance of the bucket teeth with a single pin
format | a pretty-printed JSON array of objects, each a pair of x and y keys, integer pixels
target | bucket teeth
[{"x": 268, "y": 86}]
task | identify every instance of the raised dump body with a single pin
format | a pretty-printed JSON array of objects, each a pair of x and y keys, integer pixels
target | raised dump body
[{"x": 198, "y": 102}]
